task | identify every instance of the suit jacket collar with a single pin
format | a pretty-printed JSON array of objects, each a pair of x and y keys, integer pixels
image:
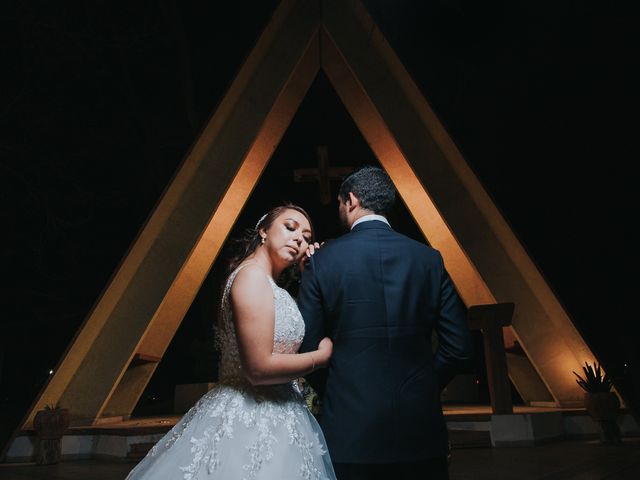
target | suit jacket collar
[{"x": 371, "y": 224}]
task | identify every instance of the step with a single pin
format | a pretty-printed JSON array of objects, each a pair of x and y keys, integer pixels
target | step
[
  {"x": 138, "y": 451},
  {"x": 470, "y": 439}
]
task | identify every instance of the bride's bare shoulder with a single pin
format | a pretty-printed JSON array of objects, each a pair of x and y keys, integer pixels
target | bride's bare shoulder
[{"x": 250, "y": 282}]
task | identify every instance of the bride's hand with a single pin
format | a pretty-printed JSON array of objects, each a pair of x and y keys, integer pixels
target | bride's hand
[
  {"x": 311, "y": 249},
  {"x": 325, "y": 349}
]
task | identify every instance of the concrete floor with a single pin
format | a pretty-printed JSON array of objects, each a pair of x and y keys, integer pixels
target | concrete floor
[
  {"x": 556, "y": 461},
  {"x": 573, "y": 460}
]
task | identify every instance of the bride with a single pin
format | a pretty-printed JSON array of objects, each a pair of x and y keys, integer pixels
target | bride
[{"x": 254, "y": 424}]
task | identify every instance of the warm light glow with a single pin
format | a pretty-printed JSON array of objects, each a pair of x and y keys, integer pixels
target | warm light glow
[
  {"x": 468, "y": 281},
  {"x": 186, "y": 284}
]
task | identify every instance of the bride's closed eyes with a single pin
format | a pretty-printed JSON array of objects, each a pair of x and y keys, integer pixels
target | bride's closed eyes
[{"x": 292, "y": 226}]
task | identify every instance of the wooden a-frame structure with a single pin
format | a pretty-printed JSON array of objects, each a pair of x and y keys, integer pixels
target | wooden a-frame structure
[{"x": 114, "y": 354}]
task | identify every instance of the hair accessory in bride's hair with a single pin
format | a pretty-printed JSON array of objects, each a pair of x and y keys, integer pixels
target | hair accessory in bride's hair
[{"x": 260, "y": 221}]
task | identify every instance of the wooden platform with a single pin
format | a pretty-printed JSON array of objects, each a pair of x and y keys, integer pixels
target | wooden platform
[
  {"x": 470, "y": 426},
  {"x": 483, "y": 412}
]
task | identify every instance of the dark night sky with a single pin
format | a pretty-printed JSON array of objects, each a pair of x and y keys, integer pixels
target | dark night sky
[{"x": 100, "y": 102}]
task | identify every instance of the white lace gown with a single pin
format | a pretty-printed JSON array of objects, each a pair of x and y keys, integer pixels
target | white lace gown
[{"x": 238, "y": 431}]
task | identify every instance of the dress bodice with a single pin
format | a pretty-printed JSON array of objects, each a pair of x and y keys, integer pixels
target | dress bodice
[{"x": 287, "y": 335}]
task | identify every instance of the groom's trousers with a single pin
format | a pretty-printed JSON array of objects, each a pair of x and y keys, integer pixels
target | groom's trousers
[{"x": 432, "y": 469}]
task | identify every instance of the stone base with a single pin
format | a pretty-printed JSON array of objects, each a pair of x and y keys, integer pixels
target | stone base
[
  {"x": 531, "y": 429},
  {"x": 75, "y": 447},
  {"x": 526, "y": 430},
  {"x": 130, "y": 439}
]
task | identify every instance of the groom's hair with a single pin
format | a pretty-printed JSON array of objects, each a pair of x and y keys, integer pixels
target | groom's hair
[{"x": 372, "y": 186}]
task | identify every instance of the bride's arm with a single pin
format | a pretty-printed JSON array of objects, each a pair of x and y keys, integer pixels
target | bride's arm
[{"x": 253, "y": 311}]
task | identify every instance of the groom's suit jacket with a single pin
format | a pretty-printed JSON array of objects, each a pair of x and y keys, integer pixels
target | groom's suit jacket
[{"x": 379, "y": 295}]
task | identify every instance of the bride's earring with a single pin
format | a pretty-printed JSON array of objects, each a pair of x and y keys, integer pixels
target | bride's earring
[{"x": 263, "y": 240}]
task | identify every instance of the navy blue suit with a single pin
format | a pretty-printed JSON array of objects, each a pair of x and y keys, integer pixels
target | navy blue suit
[{"x": 379, "y": 295}]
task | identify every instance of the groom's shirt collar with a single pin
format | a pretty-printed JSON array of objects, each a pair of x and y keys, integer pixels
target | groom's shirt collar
[{"x": 368, "y": 218}]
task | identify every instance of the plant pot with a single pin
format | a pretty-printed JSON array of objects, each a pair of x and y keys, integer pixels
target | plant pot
[
  {"x": 603, "y": 408},
  {"x": 50, "y": 425}
]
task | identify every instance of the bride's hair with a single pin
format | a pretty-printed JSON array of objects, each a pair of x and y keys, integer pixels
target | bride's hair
[{"x": 250, "y": 239}]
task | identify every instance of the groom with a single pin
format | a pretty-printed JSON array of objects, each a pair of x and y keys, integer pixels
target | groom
[{"x": 379, "y": 295}]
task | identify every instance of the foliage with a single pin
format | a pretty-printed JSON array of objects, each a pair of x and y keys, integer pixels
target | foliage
[
  {"x": 593, "y": 381},
  {"x": 310, "y": 397}
]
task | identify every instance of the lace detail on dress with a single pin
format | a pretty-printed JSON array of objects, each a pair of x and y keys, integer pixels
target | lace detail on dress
[
  {"x": 276, "y": 414},
  {"x": 176, "y": 432},
  {"x": 233, "y": 411}
]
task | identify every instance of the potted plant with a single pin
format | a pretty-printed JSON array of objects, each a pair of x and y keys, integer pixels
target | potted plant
[
  {"x": 50, "y": 425},
  {"x": 601, "y": 403}
]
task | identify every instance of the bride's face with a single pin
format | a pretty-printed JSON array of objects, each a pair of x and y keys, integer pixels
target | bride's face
[{"x": 288, "y": 237}]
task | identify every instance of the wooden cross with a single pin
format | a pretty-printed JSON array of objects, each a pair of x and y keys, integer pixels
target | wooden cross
[
  {"x": 323, "y": 174},
  {"x": 490, "y": 319}
]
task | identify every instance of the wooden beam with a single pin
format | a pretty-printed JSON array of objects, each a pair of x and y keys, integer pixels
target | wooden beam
[
  {"x": 149, "y": 294},
  {"x": 553, "y": 346},
  {"x": 491, "y": 319},
  {"x": 468, "y": 281},
  {"x": 323, "y": 174}
]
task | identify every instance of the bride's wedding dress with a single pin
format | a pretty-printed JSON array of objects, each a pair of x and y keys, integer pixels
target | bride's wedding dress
[{"x": 239, "y": 431}]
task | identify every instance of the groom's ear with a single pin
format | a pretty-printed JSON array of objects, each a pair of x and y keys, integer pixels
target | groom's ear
[{"x": 353, "y": 200}]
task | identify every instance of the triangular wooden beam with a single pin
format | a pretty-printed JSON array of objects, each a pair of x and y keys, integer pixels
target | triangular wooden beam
[
  {"x": 552, "y": 344},
  {"x": 147, "y": 298},
  {"x": 114, "y": 354}
]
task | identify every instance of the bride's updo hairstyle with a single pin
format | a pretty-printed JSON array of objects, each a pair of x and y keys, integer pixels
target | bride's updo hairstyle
[{"x": 250, "y": 239}]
